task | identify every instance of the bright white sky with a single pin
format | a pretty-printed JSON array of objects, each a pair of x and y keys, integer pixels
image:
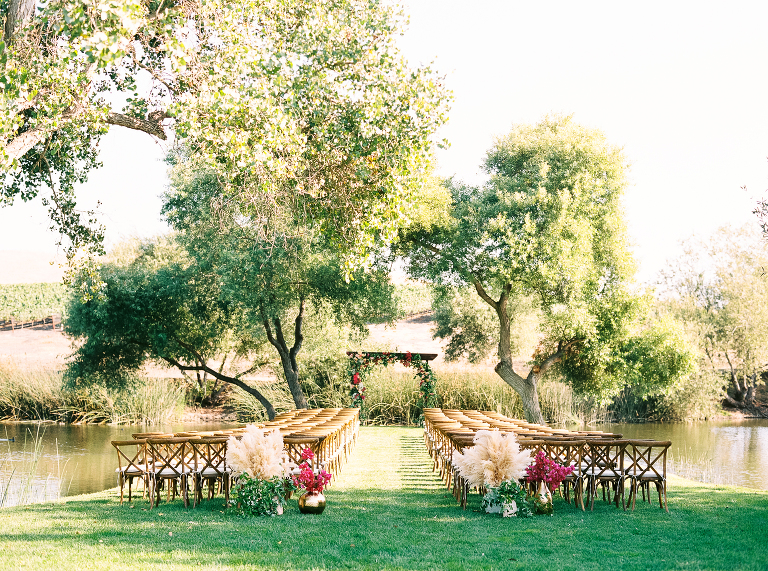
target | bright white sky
[{"x": 681, "y": 86}]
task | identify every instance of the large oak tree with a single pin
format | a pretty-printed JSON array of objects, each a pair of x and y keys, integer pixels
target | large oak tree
[
  {"x": 225, "y": 294},
  {"x": 547, "y": 230}
]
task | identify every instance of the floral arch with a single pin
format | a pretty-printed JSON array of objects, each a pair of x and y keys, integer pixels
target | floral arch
[{"x": 361, "y": 362}]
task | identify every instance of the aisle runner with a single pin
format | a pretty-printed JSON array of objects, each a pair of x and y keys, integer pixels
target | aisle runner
[{"x": 389, "y": 458}]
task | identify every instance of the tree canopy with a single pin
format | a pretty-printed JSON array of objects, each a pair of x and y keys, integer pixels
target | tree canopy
[
  {"x": 228, "y": 292},
  {"x": 547, "y": 233},
  {"x": 719, "y": 288},
  {"x": 306, "y": 105}
]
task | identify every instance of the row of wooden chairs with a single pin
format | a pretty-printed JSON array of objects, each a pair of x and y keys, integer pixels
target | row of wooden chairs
[
  {"x": 330, "y": 433},
  {"x": 189, "y": 460},
  {"x": 600, "y": 459},
  {"x": 171, "y": 462}
]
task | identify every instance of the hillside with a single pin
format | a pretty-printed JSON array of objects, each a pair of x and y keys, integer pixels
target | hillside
[{"x": 23, "y": 267}]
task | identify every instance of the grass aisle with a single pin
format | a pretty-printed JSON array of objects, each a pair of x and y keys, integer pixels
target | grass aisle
[{"x": 388, "y": 511}]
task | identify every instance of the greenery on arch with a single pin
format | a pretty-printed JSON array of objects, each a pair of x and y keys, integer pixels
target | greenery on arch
[{"x": 361, "y": 362}]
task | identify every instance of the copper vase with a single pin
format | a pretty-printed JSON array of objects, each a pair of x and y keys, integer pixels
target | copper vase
[{"x": 312, "y": 503}]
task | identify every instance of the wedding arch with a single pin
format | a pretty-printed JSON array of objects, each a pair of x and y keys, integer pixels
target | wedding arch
[{"x": 362, "y": 362}]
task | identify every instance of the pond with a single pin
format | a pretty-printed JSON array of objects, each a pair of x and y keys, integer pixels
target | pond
[
  {"x": 719, "y": 452},
  {"x": 72, "y": 460},
  {"x": 66, "y": 460}
]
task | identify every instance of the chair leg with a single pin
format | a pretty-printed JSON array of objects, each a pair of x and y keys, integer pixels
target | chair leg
[{"x": 185, "y": 489}]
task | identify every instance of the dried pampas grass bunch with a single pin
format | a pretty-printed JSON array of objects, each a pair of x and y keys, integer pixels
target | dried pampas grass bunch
[
  {"x": 258, "y": 453},
  {"x": 495, "y": 457}
]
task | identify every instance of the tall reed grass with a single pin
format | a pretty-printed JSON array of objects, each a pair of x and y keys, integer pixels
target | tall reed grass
[
  {"x": 20, "y": 482},
  {"x": 391, "y": 396},
  {"x": 38, "y": 394}
]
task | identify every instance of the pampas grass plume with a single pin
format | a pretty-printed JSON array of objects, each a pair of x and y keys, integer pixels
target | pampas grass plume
[
  {"x": 495, "y": 457},
  {"x": 258, "y": 453}
]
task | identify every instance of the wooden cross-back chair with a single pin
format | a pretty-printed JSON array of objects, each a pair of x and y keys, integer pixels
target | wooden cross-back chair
[
  {"x": 294, "y": 444},
  {"x": 459, "y": 443},
  {"x": 646, "y": 463},
  {"x": 210, "y": 466},
  {"x": 604, "y": 466},
  {"x": 170, "y": 458},
  {"x": 568, "y": 453},
  {"x": 131, "y": 464}
]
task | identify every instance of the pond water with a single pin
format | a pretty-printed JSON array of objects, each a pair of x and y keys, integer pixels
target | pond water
[
  {"x": 64, "y": 460},
  {"x": 719, "y": 452},
  {"x": 72, "y": 460}
]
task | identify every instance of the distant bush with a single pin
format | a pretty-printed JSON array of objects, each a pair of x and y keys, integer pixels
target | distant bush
[
  {"x": 696, "y": 397},
  {"x": 31, "y": 301}
]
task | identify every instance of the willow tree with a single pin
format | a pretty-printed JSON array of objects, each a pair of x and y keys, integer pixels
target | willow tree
[
  {"x": 547, "y": 232},
  {"x": 296, "y": 103}
]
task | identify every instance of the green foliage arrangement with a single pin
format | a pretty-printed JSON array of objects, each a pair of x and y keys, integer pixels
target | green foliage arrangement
[
  {"x": 503, "y": 497},
  {"x": 256, "y": 496}
]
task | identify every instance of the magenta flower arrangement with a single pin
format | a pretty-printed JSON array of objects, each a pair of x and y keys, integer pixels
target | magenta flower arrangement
[
  {"x": 546, "y": 470},
  {"x": 307, "y": 479}
]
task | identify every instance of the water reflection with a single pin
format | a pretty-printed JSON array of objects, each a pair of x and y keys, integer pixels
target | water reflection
[
  {"x": 49, "y": 461},
  {"x": 718, "y": 452}
]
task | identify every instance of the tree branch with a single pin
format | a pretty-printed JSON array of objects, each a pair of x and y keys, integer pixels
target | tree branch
[
  {"x": 557, "y": 355},
  {"x": 484, "y": 295},
  {"x": 152, "y": 125},
  {"x": 226, "y": 378}
]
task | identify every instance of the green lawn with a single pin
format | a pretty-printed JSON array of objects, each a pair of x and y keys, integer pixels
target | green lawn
[{"x": 387, "y": 511}]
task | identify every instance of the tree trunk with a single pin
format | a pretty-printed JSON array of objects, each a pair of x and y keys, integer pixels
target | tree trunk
[
  {"x": 19, "y": 14},
  {"x": 743, "y": 393},
  {"x": 288, "y": 355},
  {"x": 525, "y": 387}
]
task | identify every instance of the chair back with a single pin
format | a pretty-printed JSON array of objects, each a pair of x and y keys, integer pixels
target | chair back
[
  {"x": 170, "y": 456},
  {"x": 604, "y": 457},
  {"x": 647, "y": 459},
  {"x": 566, "y": 452},
  {"x": 131, "y": 456},
  {"x": 210, "y": 455}
]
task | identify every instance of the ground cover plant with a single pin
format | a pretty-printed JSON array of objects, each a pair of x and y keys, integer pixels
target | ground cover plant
[{"x": 388, "y": 511}]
